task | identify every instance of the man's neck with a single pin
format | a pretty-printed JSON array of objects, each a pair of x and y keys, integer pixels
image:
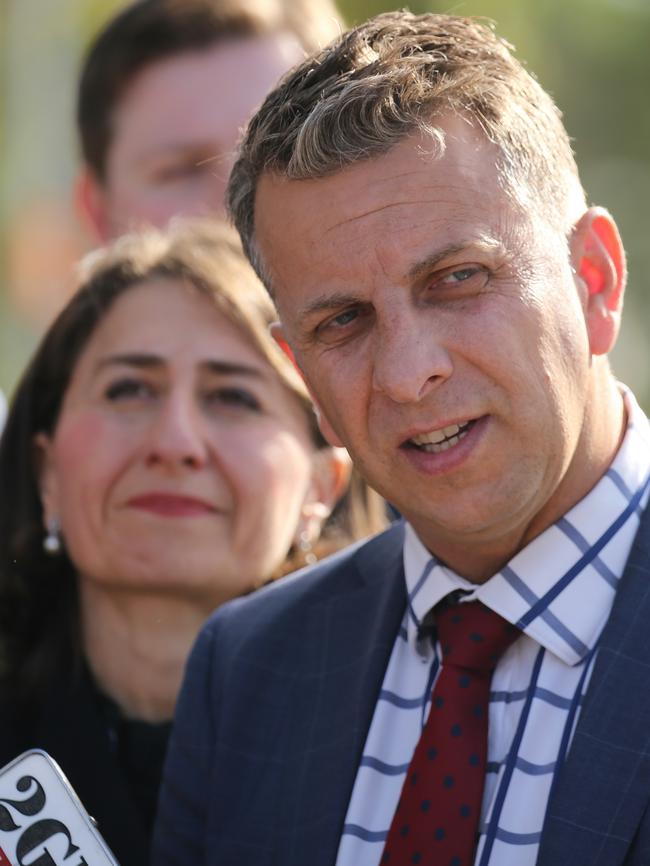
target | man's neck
[{"x": 478, "y": 555}]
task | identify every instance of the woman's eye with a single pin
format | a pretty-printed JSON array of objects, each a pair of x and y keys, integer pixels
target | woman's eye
[
  {"x": 126, "y": 389},
  {"x": 235, "y": 398}
]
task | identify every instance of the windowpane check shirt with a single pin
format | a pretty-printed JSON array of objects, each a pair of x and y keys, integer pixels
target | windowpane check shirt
[{"x": 559, "y": 591}]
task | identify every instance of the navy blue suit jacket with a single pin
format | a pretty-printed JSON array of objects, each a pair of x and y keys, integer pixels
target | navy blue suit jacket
[{"x": 278, "y": 698}]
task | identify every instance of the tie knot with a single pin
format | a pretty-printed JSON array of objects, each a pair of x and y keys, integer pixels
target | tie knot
[{"x": 472, "y": 636}]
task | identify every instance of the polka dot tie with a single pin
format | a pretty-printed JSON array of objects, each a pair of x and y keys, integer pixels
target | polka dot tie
[{"x": 437, "y": 817}]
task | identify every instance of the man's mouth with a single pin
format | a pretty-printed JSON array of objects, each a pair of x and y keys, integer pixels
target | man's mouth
[{"x": 442, "y": 439}]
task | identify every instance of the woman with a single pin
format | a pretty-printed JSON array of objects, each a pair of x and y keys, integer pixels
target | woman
[{"x": 160, "y": 457}]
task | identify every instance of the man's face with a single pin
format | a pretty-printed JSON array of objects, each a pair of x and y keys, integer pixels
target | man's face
[
  {"x": 442, "y": 333},
  {"x": 175, "y": 131}
]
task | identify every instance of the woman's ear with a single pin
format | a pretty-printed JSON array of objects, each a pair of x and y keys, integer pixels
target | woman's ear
[
  {"x": 330, "y": 480},
  {"x": 598, "y": 260},
  {"x": 46, "y": 476}
]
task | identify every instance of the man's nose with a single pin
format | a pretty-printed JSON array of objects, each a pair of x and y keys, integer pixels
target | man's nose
[
  {"x": 176, "y": 435},
  {"x": 410, "y": 358}
]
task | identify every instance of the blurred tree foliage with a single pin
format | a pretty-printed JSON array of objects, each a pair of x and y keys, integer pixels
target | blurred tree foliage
[{"x": 591, "y": 54}]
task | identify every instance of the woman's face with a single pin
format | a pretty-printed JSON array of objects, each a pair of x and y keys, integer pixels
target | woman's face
[{"x": 179, "y": 463}]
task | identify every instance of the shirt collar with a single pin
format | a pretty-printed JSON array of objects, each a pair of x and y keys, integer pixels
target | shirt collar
[{"x": 545, "y": 587}]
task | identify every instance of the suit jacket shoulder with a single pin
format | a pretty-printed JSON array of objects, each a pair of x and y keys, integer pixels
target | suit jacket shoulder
[
  {"x": 599, "y": 813},
  {"x": 274, "y": 711}
]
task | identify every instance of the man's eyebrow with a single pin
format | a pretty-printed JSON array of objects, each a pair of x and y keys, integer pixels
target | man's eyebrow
[
  {"x": 426, "y": 265},
  {"x": 335, "y": 301},
  {"x": 338, "y": 300}
]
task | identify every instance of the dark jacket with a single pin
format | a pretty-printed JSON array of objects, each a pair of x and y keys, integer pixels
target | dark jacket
[
  {"x": 280, "y": 691},
  {"x": 74, "y": 725}
]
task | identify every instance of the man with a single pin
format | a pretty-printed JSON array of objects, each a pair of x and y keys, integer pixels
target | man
[
  {"x": 164, "y": 91},
  {"x": 470, "y": 687}
]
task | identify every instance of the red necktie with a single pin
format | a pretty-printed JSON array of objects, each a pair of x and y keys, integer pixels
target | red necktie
[{"x": 437, "y": 817}]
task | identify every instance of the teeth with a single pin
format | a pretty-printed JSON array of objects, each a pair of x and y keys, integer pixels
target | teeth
[
  {"x": 441, "y": 440},
  {"x": 443, "y": 446},
  {"x": 437, "y": 436}
]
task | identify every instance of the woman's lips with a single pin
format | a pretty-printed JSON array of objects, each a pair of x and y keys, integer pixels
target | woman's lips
[{"x": 171, "y": 505}]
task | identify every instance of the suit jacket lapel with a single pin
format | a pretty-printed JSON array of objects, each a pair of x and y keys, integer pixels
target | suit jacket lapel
[
  {"x": 358, "y": 631},
  {"x": 604, "y": 787}
]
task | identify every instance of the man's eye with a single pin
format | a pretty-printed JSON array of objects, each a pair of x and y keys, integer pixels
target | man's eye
[
  {"x": 128, "y": 389},
  {"x": 341, "y": 321},
  {"x": 463, "y": 275},
  {"x": 347, "y": 324},
  {"x": 344, "y": 318}
]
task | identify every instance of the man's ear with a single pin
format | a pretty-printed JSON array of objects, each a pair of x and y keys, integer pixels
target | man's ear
[
  {"x": 46, "y": 476},
  {"x": 598, "y": 259},
  {"x": 90, "y": 204},
  {"x": 326, "y": 428}
]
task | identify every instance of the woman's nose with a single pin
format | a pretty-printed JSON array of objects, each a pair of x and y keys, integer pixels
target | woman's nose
[{"x": 176, "y": 435}]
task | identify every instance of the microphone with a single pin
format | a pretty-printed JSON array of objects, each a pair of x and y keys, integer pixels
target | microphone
[{"x": 42, "y": 821}]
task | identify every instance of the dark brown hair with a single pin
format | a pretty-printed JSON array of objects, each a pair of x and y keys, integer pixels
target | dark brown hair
[
  {"x": 38, "y": 593},
  {"x": 147, "y": 31}
]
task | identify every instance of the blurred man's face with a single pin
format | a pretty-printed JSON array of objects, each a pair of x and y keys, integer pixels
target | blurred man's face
[{"x": 175, "y": 131}]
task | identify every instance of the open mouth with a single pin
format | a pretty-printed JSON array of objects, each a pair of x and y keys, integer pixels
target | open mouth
[{"x": 440, "y": 440}]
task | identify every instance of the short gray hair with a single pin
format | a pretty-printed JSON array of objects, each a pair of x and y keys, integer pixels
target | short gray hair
[{"x": 389, "y": 78}]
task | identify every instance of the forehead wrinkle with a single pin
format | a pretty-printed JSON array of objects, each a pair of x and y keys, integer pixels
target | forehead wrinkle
[
  {"x": 446, "y": 198},
  {"x": 379, "y": 209}
]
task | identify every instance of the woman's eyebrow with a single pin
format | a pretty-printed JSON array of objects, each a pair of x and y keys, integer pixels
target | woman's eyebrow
[
  {"x": 148, "y": 361},
  {"x": 131, "y": 359}
]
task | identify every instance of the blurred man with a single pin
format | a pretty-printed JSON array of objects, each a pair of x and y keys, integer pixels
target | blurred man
[
  {"x": 165, "y": 90},
  {"x": 472, "y": 686}
]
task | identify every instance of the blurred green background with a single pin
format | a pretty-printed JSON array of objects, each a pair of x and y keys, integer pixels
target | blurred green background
[{"x": 592, "y": 55}]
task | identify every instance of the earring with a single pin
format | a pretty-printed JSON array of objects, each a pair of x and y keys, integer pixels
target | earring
[
  {"x": 304, "y": 545},
  {"x": 52, "y": 541}
]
